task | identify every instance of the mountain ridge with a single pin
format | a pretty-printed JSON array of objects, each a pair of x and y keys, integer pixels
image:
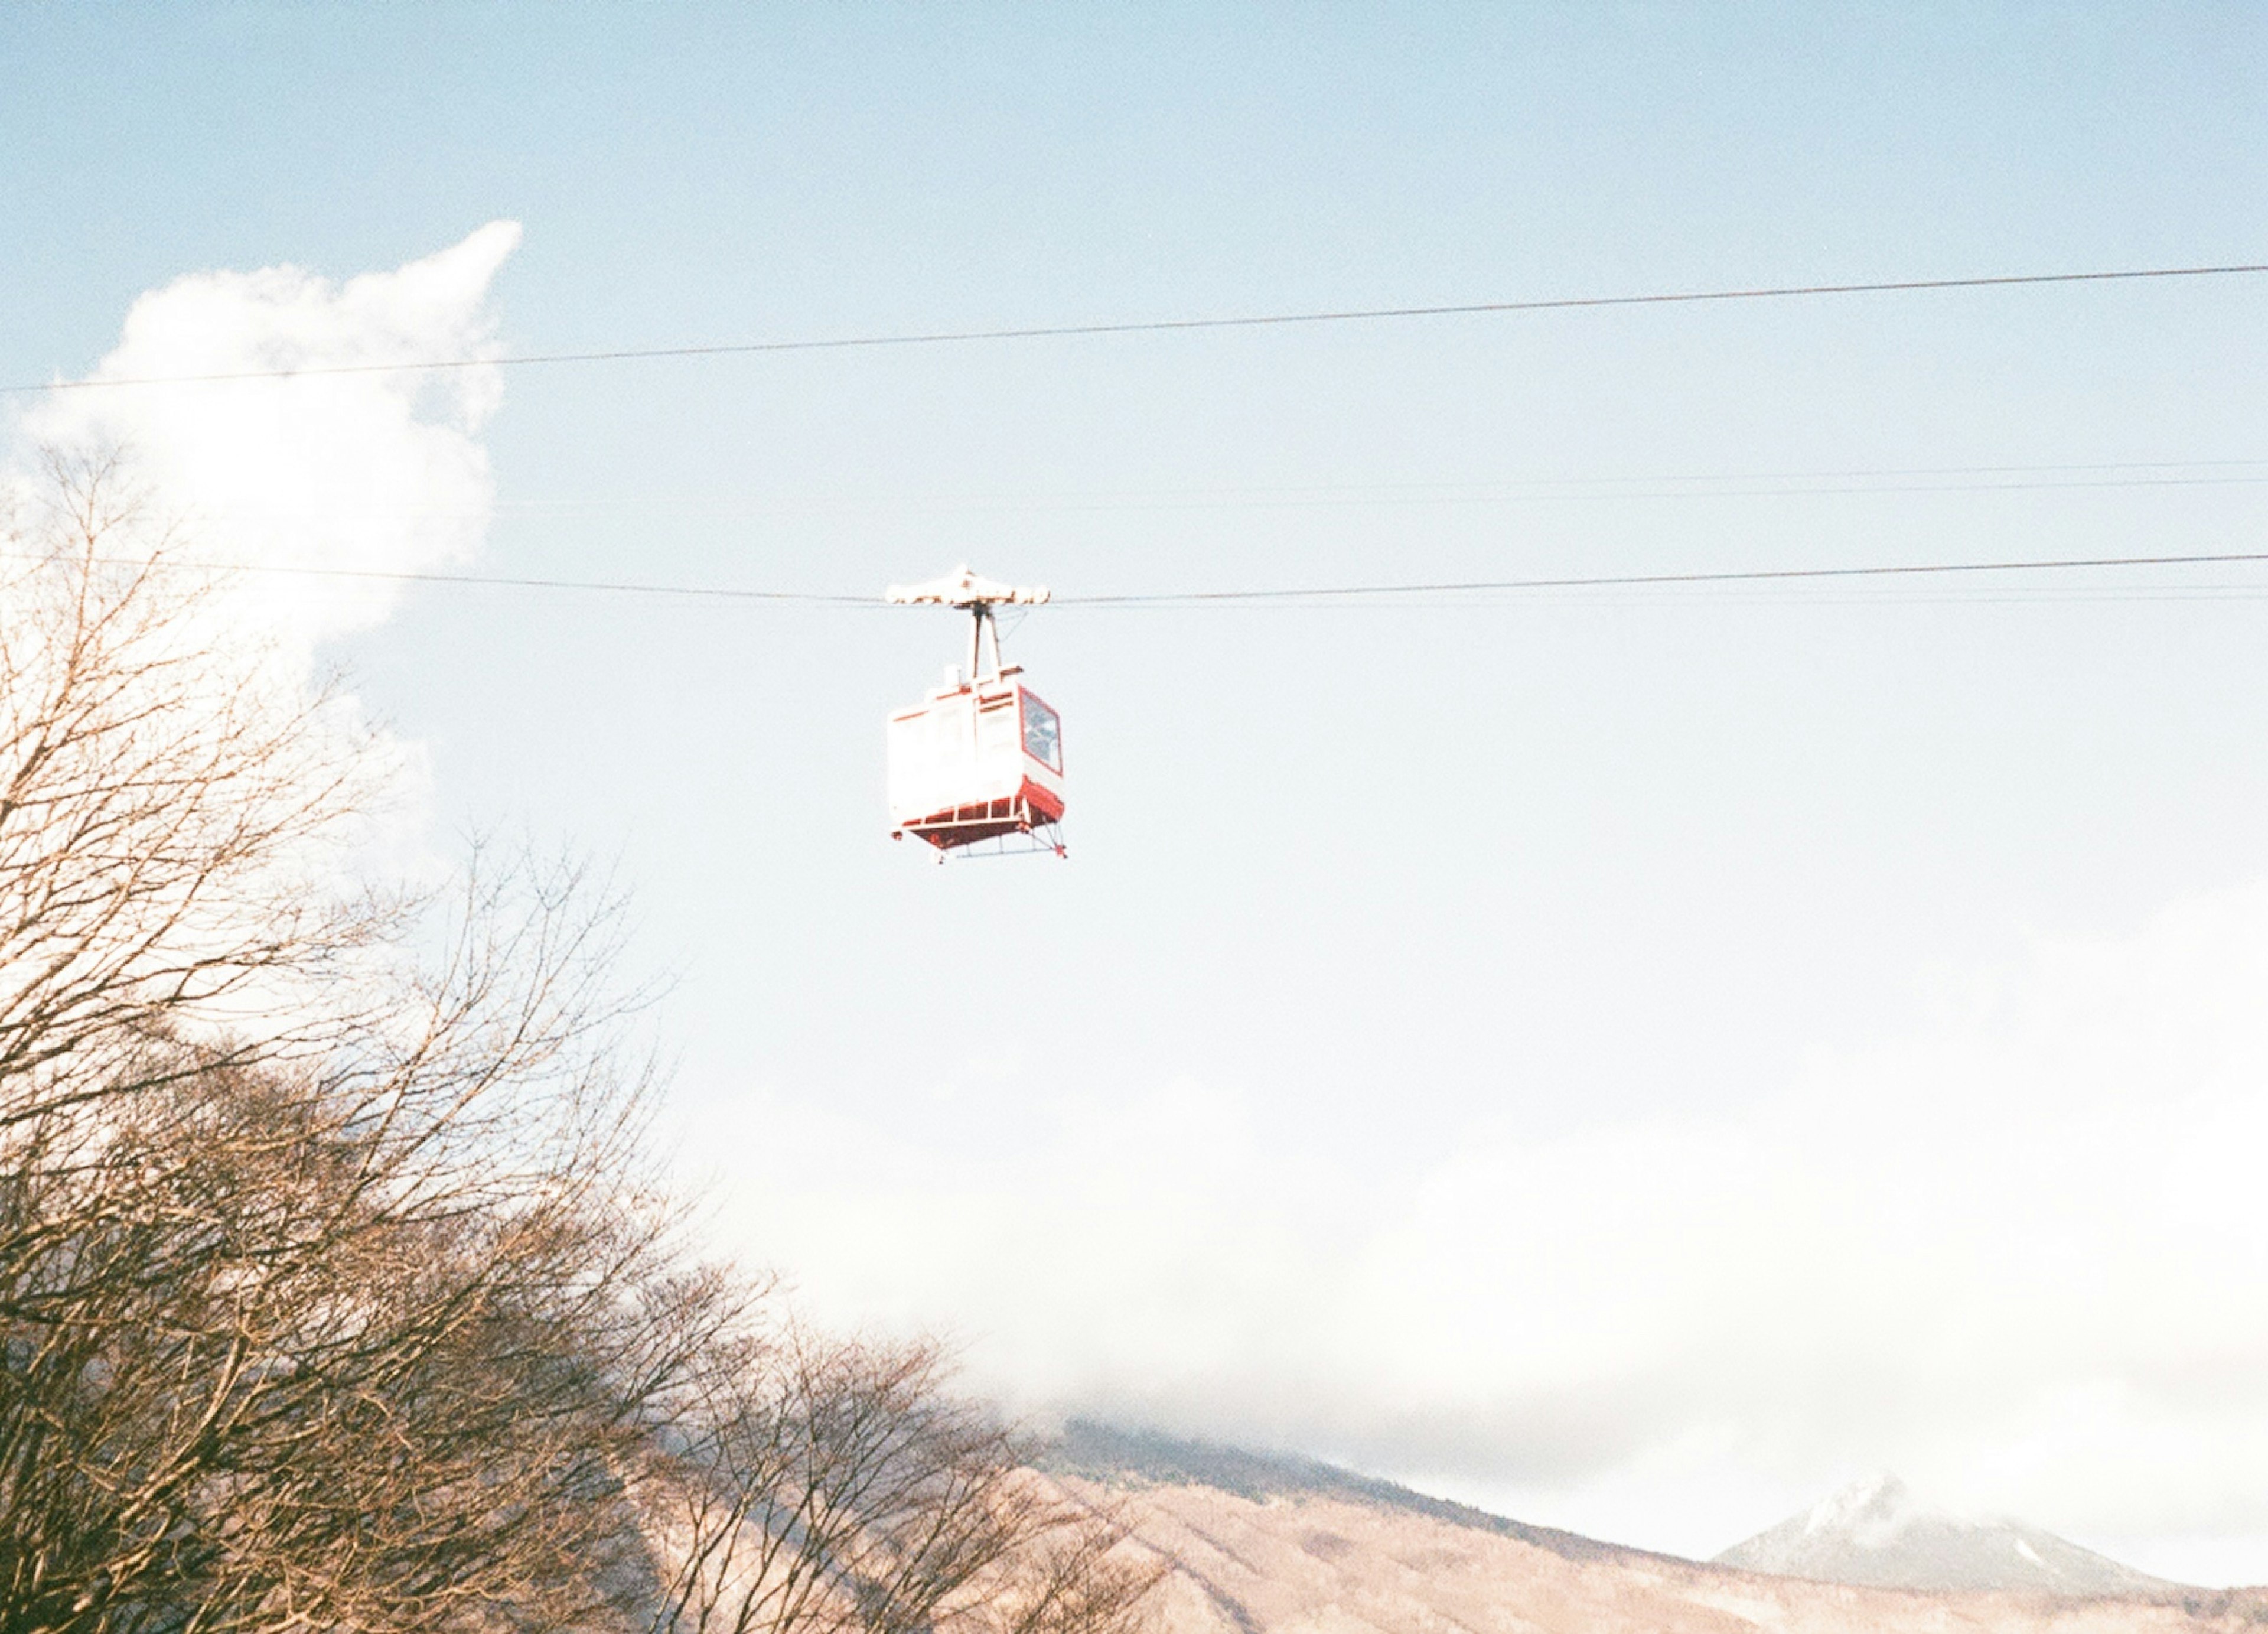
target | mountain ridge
[
  {"x": 1275, "y": 1544},
  {"x": 1109, "y": 1455}
]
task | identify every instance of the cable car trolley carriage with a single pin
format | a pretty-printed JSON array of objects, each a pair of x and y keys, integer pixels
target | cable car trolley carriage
[{"x": 979, "y": 761}]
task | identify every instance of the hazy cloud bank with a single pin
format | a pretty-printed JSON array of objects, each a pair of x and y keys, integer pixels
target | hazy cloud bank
[{"x": 2017, "y": 1255}]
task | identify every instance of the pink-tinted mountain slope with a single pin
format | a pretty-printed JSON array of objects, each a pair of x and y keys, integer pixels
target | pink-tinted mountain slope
[{"x": 1269, "y": 1546}]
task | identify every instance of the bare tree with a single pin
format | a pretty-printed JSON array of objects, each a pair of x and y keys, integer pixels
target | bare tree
[
  {"x": 165, "y": 812},
  {"x": 839, "y": 1487},
  {"x": 330, "y": 1295},
  {"x": 354, "y": 1349}
]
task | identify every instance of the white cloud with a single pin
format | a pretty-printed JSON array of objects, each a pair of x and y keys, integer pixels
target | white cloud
[
  {"x": 2020, "y": 1256},
  {"x": 379, "y": 472}
]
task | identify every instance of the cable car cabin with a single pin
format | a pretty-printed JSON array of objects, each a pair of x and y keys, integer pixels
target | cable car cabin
[
  {"x": 980, "y": 759},
  {"x": 976, "y": 760}
]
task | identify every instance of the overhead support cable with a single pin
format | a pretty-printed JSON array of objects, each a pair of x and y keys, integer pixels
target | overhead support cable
[
  {"x": 1154, "y": 325},
  {"x": 1608, "y": 581},
  {"x": 1311, "y": 595},
  {"x": 630, "y": 587}
]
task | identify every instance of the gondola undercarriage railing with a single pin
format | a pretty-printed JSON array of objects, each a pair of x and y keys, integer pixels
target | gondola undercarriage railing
[{"x": 1016, "y": 817}]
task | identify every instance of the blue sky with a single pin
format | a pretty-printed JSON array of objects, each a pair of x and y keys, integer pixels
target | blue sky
[{"x": 1401, "y": 950}]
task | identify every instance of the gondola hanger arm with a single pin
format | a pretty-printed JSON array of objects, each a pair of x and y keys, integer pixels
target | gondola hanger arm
[{"x": 961, "y": 588}]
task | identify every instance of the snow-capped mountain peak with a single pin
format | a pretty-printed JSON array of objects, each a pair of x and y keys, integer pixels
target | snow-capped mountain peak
[
  {"x": 1870, "y": 1513},
  {"x": 1876, "y": 1532}
]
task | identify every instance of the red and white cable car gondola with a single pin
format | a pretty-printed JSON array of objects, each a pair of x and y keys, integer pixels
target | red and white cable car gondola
[{"x": 981, "y": 757}]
